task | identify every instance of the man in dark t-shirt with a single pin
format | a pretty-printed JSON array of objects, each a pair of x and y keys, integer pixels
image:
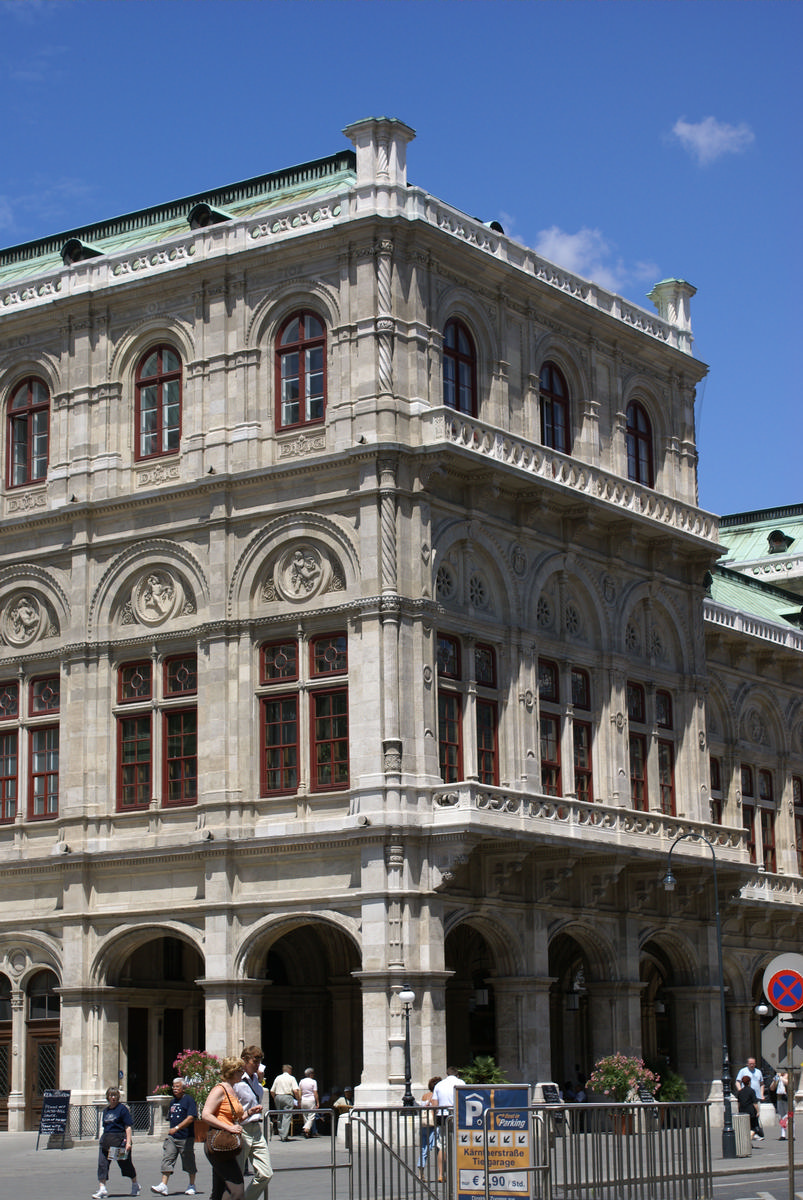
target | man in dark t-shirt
[
  {"x": 747, "y": 1100},
  {"x": 180, "y": 1139}
]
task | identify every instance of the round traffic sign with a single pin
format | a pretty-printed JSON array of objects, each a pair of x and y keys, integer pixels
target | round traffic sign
[{"x": 783, "y": 983}]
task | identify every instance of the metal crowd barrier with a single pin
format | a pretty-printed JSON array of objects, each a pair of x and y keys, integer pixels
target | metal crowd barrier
[{"x": 577, "y": 1152}]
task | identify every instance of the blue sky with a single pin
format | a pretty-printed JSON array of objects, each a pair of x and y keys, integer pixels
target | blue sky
[{"x": 629, "y": 140}]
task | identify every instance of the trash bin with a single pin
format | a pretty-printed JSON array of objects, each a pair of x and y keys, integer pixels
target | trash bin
[{"x": 741, "y": 1127}]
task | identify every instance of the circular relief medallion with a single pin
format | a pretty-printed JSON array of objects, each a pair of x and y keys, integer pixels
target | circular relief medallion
[
  {"x": 301, "y": 573},
  {"x": 445, "y": 583},
  {"x": 23, "y": 619},
  {"x": 157, "y": 597}
]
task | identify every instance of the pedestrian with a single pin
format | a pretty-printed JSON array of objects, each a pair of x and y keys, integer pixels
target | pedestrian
[
  {"x": 249, "y": 1091},
  {"x": 284, "y": 1091},
  {"x": 780, "y": 1090},
  {"x": 308, "y": 1089},
  {"x": 757, "y": 1084},
  {"x": 429, "y": 1128},
  {"x": 180, "y": 1139},
  {"x": 748, "y": 1103},
  {"x": 443, "y": 1099},
  {"x": 224, "y": 1111},
  {"x": 115, "y": 1142}
]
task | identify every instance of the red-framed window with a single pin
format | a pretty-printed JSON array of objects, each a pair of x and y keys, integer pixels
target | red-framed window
[
  {"x": 157, "y": 733},
  {"x": 301, "y": 371},
  {"x": 281, "y": 733},
  {"x": 279, "y": 763},
  {"x": 459, "y": 369},
  {"x": 637, "y": 745},
  {"x": 29, "y": 747},
  {"x": 583, "y": 776},
  {"x": 639, "y": 795},
  {"x": 666, "y": 776},
  {"x": 44, "y": 700},
  {"x": 180, "y": 785},
  {"x": 715, "y": 778},
  {"x": 468, "y": 707},
  {"x": 28, "y": 439},
  {"x": 749, "y": 811},
  {"x": 554, "y": 409},
  {"x": 157, "y": 408},
  {"x": 549, "y": 727},
  {"x": 767, "y": 824},
  {"x": 550, "y": 755},
  {"x": 797, "y": 807},
  {"x": 9, "y": 773},
  {"x": 450, "y": 709},
  {"x": 582, "y": 735},
  {"x": 639, "y": 445},
  {"x": 487, "y": 746}
]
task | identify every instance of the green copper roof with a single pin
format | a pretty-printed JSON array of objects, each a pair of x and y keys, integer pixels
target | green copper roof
[
  {"x": 737, "y": 591},
  {"x": 746, "y": 535},
  {"x": 150, "y": 226}
]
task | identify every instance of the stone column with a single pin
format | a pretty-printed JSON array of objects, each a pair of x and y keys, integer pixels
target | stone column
[
  {"x": 522, "y": 1027},
  {"x": 16, "y": 1097}
]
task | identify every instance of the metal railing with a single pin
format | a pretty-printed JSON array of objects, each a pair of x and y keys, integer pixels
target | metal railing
[{"x": 577, "y": 1152}]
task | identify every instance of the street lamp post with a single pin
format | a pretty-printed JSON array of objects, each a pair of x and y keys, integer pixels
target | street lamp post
[
  {"x": 407, "y": 996},
  {"x": 728, "y": 1134}
]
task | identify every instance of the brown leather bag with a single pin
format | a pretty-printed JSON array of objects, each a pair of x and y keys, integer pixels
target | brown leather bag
[{"x": 225, "y": 1143}]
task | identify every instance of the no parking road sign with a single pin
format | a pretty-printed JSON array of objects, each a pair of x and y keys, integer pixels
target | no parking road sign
[{"x": 783, "y": 983}]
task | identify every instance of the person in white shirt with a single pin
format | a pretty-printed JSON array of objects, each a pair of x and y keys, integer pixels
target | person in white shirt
[
  {"x": 284, "y": 1090},
  {"x": 443, "y": 1101},
  {"x": 249, "y": 1092},
  {"x": 308, "y": 1087}
]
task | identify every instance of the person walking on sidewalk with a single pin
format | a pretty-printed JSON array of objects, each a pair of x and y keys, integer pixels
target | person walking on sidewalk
[
  {"x": 308, "y": 1087},
  {"x": 180, "y": 1139},
  {"x": 284, "y": 1093},
  {"x": 115, "y": 1136},
  {"x": 249, "y": 1091}
]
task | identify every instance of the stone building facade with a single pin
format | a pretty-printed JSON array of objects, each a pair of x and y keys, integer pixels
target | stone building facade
[{"x": 359, "y": 627}]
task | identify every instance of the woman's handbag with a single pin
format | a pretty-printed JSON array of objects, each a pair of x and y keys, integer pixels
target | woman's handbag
[{"x": 224, "y": 1142}]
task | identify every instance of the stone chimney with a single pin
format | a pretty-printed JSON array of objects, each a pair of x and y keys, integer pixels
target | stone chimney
[
  {"x": 381, "y": 145},
  {"x": 671, "y": 297}
]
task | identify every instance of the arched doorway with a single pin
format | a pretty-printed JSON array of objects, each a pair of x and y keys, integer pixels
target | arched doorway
[
  {"x": 569, "y": 1011},
  {"x": 5, "y": 1048},
  {"x": 160, "y": 1011},
  {"x": 312, "y": 1005},
  {"x": 470, "y": 996},
  {"x": 43, "y": 1042},
  {"x": 658, "y": 1038}
]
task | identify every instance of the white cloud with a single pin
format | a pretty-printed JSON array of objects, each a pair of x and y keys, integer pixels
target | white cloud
[
  {"x": 709, "y": 139},
  {"x": 589, "y": 254}
]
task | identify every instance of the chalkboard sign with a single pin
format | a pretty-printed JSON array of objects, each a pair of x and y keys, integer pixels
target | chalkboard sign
[
  {"x": 647, "y": 1098},
  {"x": 551, "y": 1093},
  {"x": 55, "y": 1116}
]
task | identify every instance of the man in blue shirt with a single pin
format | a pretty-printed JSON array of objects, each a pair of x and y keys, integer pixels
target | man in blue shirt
[
  {"x": 180, "y": 1139},
  {"x": 249, "y": 1091}
]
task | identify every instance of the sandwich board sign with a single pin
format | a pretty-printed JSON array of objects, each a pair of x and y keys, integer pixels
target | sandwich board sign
[{"x": 492, "y": 1138}]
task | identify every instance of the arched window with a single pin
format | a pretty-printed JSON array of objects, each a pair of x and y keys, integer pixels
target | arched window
[
  {"x": 28, "y": 433},
  {"x": 554, "y": 409},
  {"x": 459, "y": 369},
  {"x": 639, "y": 445},
  {"x": 158, "y": 403},
  {"x": 301, "y": 371},
  {"x": 44, "y": 1003}
]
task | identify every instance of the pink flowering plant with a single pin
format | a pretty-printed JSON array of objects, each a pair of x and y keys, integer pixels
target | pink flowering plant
[
  {"x": 200, "y": 1072},
  {"x": 162, "y": 1089},
  {"x": 619, "y": 1076}
]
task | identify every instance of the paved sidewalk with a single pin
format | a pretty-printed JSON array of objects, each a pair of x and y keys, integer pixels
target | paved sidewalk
[
  {"x": 71, "y": 1174},
  {"x": 300, "y": 1166}
]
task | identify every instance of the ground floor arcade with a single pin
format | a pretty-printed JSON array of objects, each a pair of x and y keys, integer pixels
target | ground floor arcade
[{"x": 544, "y": 984}]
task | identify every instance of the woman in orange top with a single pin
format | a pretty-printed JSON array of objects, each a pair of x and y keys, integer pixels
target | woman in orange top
[{"x": 224, "y": 1111}]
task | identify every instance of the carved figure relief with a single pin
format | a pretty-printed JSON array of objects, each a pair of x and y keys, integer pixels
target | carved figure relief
[
  {"x": 24, "y": 620},
  {"x": 157, "y": 596},
  {"x": 302, "y": 572}
]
